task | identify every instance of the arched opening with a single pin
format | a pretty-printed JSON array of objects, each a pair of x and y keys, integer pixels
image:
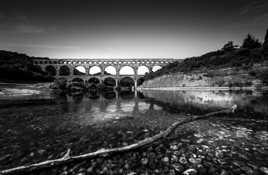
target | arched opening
[
  {"x": 126, "y": 70},
  {"x": 77, "y": 85},
  {"x": 142, "y": 70},
  {"x": 95, "y": 70},
  {"x": 109, "y": 82},
  {"x": 109, "y": 95},
  {"x": 93, "y": 85},
  {"x": 50, "y": 70},
  {"x": 156, "y": 68},
  {"x": 80, "y": 70},
  {"x": 140, "y": 81},
  {"x": 126, "y": 84},
  {"x": 110, "y": 70},
  {"x": 64, "y": 71}
]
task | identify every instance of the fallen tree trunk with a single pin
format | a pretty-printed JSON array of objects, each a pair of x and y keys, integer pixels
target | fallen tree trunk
[{"x": 147, "y": 141}]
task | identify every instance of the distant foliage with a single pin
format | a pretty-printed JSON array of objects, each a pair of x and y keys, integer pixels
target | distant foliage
[
  {"x": 265, "y": 44},
  {"x": 228, "y": 56},
  {"x": 19, "y": 67},
  {"x": 229, "y": 46},
  {"x": 251, "y": 43}
]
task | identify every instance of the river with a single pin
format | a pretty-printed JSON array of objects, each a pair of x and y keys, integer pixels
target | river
[{"x": 88, "y": 122}]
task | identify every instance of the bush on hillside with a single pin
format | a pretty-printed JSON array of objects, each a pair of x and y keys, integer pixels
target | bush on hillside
[{"x": 251, "y": 42}]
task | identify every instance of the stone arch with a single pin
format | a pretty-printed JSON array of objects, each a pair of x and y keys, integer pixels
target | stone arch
[
  {"x": 126, "y": 70},
  {"x": 51, "y": 70},
  {"x": 126, "y": 82},
  {"x": 156, "y": 68},
  {"x": 142, "y": 70},
  {"x": 64, "y": 71},
  {"x": 109, "y": 81},
  {"x": 95, "y": 70},
  {"x": 79, "y": 70},
  {"x": 110, "y": 70}
]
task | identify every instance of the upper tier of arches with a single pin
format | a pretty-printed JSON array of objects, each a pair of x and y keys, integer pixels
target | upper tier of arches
[{"x": 96, "y": 70}]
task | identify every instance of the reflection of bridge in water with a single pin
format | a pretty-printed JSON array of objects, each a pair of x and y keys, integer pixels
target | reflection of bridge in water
[
  {"x": 112, "y": 102},
  {"x": 113, "y": 69}
]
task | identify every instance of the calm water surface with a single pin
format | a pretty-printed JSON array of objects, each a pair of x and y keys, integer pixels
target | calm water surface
[{"x": 89, "y": 122}]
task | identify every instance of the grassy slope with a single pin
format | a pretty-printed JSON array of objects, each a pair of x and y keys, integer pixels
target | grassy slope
[{"x": 237, "y": 58}]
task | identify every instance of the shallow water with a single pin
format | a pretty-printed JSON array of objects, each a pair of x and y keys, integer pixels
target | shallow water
[{"x": 89, "y": 122}]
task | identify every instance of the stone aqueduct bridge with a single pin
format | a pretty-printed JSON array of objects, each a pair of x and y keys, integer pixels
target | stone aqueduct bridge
[{"x": 65, "y": 68}]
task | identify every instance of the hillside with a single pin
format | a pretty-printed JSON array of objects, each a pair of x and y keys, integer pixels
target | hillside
[
  {"x": 16, "y": 67},
  {"x": 238, "y": 61}
]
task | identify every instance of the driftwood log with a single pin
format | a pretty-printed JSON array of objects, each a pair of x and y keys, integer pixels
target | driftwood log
[{"x": 103, "y": 152}]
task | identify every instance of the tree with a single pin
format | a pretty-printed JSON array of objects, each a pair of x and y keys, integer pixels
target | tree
[
  {"x": 251, "y": 42},
  {"x": 228, "y": 46},
  {"x": 265, "y": 44}
]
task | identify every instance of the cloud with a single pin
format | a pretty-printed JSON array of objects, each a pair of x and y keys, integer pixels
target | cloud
[
  {"x": 2, "y": 16},
  {"x": 254, "y": 7},
  {"x": 29, "y": 29},
  {"x": 45, "y": 46},
  {"x": 20, "y": 23}
]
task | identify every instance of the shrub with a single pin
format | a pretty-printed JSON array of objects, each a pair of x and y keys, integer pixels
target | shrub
[{"x": 251, "y": 43}]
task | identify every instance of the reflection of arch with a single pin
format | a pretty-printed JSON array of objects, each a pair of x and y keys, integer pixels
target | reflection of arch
[
  {"x": 126, "y": 95},
  {"x": 109, "y": 95},
  {"x": 142, "y": 70},
  {"x": 143, "y": 106},
  {"x": 109, "y": 81},
  {"x": 79, "y": 70},
  {"x": 50, "y": 70},
  {"x": 126, "y": 81},
  {"x": 128, "y": 107},
  {"x": 156, "y": 68},
  {"x": 64, "y": 71},
  {"x": 95, "y": 70},
  {"x": 94, "y": 80},
  {"x": 126, "y": 70},
  {"x": 110, "y": 70}
]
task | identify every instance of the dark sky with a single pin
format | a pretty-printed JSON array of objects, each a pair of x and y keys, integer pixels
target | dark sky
[{"x": 129, "y": 28}]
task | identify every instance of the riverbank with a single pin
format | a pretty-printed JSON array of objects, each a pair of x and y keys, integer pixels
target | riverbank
[
  {"x": 232, "y": 143},
  {"x": 202, "y": 88}
]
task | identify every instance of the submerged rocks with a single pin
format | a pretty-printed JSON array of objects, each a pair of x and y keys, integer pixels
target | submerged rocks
[
  {"x": 264, "y": 170},
  {"x": 190, "y": 172}
]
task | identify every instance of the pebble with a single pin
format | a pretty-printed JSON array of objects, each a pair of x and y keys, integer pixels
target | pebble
[
  {"x": 190, "y": 172},
  {"x": 264, "y": 170},
  {"x": 41, "y": 151},
  {"x": 81, "y": 173},
  {"x": 224, "y": 172},
  {"x": 131, "y": 173},
  {"x": 144, "y": 161},
  {"x": 174, "y": 147},
  {"x": 178, "y": 167},
  {"x": 199, "y": 140},
  {"x": 183, "y": 160},
  {"x": 166, "y": 159}
]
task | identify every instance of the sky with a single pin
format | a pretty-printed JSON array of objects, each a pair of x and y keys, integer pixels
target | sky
[{"x": 128, "y": 28}]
